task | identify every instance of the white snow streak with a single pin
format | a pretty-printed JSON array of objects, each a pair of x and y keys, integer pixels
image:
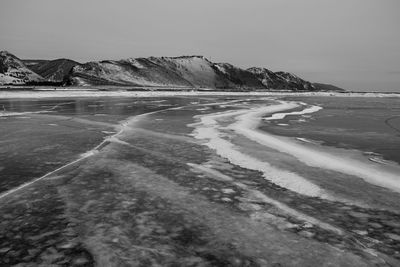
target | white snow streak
[
  {"x": 247, "y": 123},
  {"x": 208, "y": 129}
]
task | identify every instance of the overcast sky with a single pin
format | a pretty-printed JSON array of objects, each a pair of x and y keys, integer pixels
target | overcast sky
[{"x": 351, "y": 43}]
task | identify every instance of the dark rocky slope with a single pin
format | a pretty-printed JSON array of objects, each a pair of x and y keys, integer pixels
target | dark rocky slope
[
  {"x": 53, "y": 70},
  {"x": 328, "y": 87}
]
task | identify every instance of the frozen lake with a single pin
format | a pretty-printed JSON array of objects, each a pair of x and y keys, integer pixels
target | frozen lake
[{"x": 201, "y": 180}]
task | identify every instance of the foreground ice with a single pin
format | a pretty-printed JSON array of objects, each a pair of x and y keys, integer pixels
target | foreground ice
[{"x": 150, "y": 195}]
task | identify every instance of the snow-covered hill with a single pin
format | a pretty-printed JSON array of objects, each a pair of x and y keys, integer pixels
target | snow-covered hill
[
  {"x": 295, "y": 82},
  {"x": 196, "y": 70},
  {"x": 14, "y": 71},
  {"x": 193, "y": 71},
  {"x": 184, "y": 71},
  {"x": 240, "y": 77},
  {"x": 135, "y": 72},
  {"x": 281, "y": 80}
]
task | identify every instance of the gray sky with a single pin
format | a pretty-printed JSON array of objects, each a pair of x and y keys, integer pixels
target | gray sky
[{"x": 350, "y": 43}]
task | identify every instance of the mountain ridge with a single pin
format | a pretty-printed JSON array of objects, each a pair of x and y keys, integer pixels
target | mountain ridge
[{"x": 195, "y": 71}]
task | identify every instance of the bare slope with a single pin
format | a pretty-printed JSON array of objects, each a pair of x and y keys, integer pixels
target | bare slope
[
  {"x": 328, "y": 87},
  {"x": 52, "y": 70}
]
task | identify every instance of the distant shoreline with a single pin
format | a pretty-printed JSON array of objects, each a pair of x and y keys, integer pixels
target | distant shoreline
[
  {"x": 112, "y": 88},
  {"x": 64, "y": 92},
  {"x": 140, "y": 88}
]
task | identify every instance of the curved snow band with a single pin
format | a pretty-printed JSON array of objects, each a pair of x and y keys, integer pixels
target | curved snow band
[{"x": 246, "y": 125}]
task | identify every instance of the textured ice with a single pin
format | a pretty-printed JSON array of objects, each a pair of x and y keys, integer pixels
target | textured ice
[
  {"x": 280, "y": 116},
  {"x": 208, "y": 129},
  {"x": 247, "y": 125}
]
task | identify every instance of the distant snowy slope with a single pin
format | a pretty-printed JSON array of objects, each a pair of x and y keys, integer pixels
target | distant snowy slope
[
  {"x": 197, "y": 70},
  {"x": 268, "y": 78},
  {"x": 14, "y": 71},
  {"x": 240, "y": 77},
  {"x": 295, "y": 81},
  {"x": 135, "y": 72},
  {"x": 184, "y": 71},
  {"x": 281, "y": 80}
]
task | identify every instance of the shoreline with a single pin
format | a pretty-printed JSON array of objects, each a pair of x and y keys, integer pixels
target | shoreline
[{"x": 85, "y": 92}]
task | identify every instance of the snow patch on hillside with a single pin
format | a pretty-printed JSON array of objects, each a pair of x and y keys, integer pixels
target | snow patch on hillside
[
  {"x": 135, "y": 63},
  {"x": 6, "y": 79}
]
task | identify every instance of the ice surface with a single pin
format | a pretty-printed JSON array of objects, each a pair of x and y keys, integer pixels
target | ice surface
[
  {"x": 280, "y": 116},
  {"x": 247, "y": 123},
  {"x": 208, "y": 129}
]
